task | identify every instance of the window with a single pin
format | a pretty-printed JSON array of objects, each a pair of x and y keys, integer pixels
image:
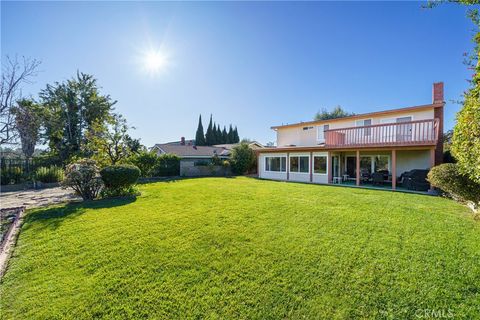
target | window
[
  {"x": 381, "y": 163},
  {"x": 366, "y": 164},
  {"x": 320, "y": 164},
  {"x": 299, "y": 164},
  {"x": 307, "y": 128},
  {"x": 366, "y": 122},
  {"x": 321, "y": 132},
  {"x": 277, "y": 164}
]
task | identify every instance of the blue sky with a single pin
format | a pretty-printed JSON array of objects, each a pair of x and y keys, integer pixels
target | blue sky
[{"x": 253, "y": 64}]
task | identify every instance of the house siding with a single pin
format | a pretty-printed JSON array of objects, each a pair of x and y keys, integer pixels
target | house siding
[{"x": 297, "y": 136}]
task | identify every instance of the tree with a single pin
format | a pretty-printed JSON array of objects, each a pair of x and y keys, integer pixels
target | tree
[
  {"x": 200, "y": 136},
  {"x": 243, "y": 158},
  {"x": 214, "y": 134},
  {"x": 236, "y": 137},
  {"x": 15, "y": 73},
  {"x": 231, "y": 135},
  {"x": 337, "y": 112},
  {"x": 72, "y": 109},
  {"x": 218, "y": 135},
  {"x": 466, "y": 134},
  {"x": 209, "y": 134},
  {"x": 27, "y": 115},
  {"x": 134, "y": 145},
  {"x": 109, "y": 145},
  {"x": 224, "y": 135}
]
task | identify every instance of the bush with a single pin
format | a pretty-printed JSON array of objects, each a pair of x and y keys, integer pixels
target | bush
[
  {"x": 466, "y": 137},
  {"x": 83, "y": 177},
  {"x": 167, "y": 165},
  {"x": 49, "y": 174},
  {"x": 146, "y": 162},
  {"x": 448, "y": 178},
  {"x": 119, "y": 180},
  {"x": 12, "y": 175},
  {"x": 243, "y": 158}
]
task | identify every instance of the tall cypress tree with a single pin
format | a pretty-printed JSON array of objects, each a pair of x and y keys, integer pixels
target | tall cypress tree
[
  {"x": 224, "y": 135},
  {"x": 214, "y": 134},
  {"x": 219, "y": 135},
  {"x": 230, "y": 135},
  {"x": 209, "y": 135},
  {"x": 199, "y": 136},
  {"x": 236, "y": 136}
]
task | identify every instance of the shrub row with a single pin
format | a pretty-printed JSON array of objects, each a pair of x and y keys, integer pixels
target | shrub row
[
  {"x": 448, "y": 178},
  {"x": 89, "y": 182},
  {"x": 151, "y": 165}
]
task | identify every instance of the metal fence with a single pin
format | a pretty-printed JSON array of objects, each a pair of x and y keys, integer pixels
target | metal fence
[{"x": 17, "y": 170}]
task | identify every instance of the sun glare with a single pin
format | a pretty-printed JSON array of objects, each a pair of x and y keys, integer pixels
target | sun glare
[{"x": 155, "y": 61}]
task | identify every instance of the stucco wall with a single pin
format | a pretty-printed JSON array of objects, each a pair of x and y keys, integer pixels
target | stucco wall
[{"x": 188, "y": 169}]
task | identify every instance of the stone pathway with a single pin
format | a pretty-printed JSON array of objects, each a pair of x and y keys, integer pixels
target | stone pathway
[{"x": 36, "y": 198}]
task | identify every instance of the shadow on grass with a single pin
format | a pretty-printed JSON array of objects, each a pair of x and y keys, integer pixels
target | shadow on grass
[{"x": 53, "y": 217}]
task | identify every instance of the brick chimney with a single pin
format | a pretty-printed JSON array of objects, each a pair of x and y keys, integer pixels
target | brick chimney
[
  {"x": 438, "y": 98},
  {"x": 437, "y": 93},
  {"x": 182, "y": 141}
]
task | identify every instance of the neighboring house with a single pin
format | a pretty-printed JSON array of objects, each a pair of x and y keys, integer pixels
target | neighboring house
[
  {"x": 229, "y": 146},
  {"x": 193, "y": 158},
  {"x": 353, "y": 149}
]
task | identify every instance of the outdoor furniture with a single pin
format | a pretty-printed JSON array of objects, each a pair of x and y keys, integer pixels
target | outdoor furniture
[
  {"x": 378, "y": 178},
  {"x": 345, "y": 177},
  {"x": 337, "y": 180},
  {"x": 415, "y": 180}
]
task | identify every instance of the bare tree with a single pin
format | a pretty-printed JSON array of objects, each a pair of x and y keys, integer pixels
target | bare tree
[{"x": 15, "y": 73}]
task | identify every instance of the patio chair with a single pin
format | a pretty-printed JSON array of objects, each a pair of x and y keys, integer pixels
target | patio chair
[
  {"x": 377, "y": 178},
  {"x": 415, "y": 180}
]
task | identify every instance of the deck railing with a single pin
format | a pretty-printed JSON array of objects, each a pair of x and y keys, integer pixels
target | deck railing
[{"x": 420, "y": 132}]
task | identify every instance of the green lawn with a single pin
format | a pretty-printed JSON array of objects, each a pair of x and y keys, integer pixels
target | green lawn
[{"x": 247, "y": 248}]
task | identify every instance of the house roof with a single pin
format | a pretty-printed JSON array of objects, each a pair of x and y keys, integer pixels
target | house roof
[
  {"x": 186, "y": 151},
  {"x": 230, "y": 146},
  {"x": 363, "y": 115}
]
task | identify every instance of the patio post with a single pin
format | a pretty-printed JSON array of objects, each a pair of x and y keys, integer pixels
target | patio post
[
  {"x": 288, "y": 165},
  {"x": 357, "y": 163},
  {"x": 311, "y": 166},
  {"x": 432, "y": 158},
  {"x": 329, "y": 166},
  {"x": 394, "y": 169}
]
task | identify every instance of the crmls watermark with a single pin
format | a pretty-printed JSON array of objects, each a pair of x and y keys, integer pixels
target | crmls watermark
[{"x": 434, "y": 313}]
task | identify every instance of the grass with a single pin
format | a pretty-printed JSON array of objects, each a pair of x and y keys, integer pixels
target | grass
[{"x": 246, "y": 248}]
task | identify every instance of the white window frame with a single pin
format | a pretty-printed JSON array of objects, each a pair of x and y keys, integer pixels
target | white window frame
[
  {"x": 299, "y": 156},
  {"x": 326, "y": 163},
  {"x": 321, "y": 132},
  {"x": 265, "y": 163}
]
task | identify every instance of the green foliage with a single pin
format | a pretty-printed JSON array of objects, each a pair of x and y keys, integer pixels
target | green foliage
[
  {"x": 448, "y": 178},
  {"x": 215, "y": 135},
  {"x": 12, "y": 176},
  {"x": 49, "y": 174},
  {"x": 28, "y": 119},
  {"x": 146, "y": 162},
  {"x": 119, "y": 180},
  {"x": 200, "y": 136},
  {"x": 266, "y": 250},
  {"x": 71, "y": 109},
  {"x": 109, "y": 142},
  {"x": 337, "y": 112},
  {"x": 83, "y": 177},
  {"x": 466, "y": 137},
  {"x": 167, "y": 165},
  {"x": 243, "y": 158}
]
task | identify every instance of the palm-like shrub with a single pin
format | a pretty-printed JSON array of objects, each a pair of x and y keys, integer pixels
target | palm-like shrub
[{"x": 83, "y": 177}]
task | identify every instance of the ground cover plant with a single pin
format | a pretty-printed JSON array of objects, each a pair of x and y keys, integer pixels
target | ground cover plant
[{"x": 246, "y": 248}]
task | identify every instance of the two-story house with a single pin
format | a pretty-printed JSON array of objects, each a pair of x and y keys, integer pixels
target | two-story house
[{"x": 360, "y": 148}]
